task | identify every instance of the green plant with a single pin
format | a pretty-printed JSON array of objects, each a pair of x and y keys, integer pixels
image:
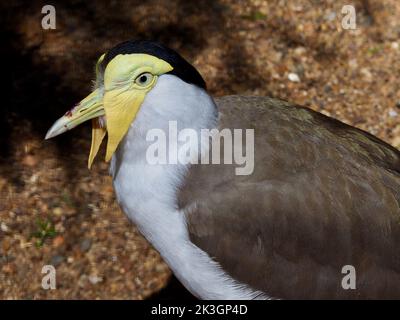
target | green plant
[
  {"x": 44, "y": 230},
  {"x": 255, "y": 16},
  {"x": 375, "y": 50}
]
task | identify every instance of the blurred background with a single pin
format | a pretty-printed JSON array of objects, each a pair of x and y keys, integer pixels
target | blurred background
[{"x": 53, "y": 210}]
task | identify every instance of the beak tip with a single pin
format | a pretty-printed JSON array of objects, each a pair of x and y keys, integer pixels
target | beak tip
[
  {"x": 51, "y": 133},
  {"x": 48, "y": 135},
  {"x": 57, "y": 128}
]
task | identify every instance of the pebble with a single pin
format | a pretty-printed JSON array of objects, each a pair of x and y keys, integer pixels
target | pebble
[
  {"x": 34, "y": 178},
  {"x": 330, "y": 16},
  {"x": 93, "y": 279},
  {"x": 82, "y": 281},
  {"x": 300, "y": 51},
  {"x": 3, "y": 227},
  {"x": 366, "y": 73},
  {"x": 353, "y": 63},
  {"x": 57, "y": 260},
  {"x": 393, "y": 113},
  {"x": 86, "y": 245},
  {"x": 57, "y": 211},
  {"x": 58, "y": 241},
  {"x": 293, "y": 77}
]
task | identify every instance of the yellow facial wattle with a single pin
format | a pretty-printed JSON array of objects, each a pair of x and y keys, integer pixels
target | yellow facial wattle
[
  {"x": 123, "y": 95},
  {"x": 119, "y": 93}
]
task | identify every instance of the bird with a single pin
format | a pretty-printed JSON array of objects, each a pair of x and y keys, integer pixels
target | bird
[{"x": 318, "y": 216}]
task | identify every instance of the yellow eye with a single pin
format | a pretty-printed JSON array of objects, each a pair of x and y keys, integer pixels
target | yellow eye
[{"x": 144, "y": 79}]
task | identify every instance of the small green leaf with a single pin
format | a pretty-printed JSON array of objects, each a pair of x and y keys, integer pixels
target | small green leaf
[
  {"x": 45, "y": 230},
  {"x": 255, "y": 16}
]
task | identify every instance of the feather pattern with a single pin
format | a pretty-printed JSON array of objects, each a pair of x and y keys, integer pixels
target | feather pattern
[{"x": 323, "y": 195}]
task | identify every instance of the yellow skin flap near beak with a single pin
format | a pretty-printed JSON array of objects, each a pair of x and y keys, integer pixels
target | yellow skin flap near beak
[
  {"x": 124, "y": 92},
  {"x": 98, "y": 134},
  {"x": 127, "y": 80}
]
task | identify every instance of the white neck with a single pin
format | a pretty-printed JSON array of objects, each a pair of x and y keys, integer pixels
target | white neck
[
  {"x": 147, "y": 192},
  {"x": 170, "y": 100}
]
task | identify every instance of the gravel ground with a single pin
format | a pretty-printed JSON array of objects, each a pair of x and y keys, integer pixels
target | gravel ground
[{"x": 55, "y": 211}]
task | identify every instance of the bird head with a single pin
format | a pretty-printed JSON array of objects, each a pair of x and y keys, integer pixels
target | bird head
[{"x": 124, "y": 76}]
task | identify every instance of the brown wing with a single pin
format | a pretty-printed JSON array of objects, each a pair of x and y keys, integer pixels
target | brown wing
[{"x": 323, "y": 195}]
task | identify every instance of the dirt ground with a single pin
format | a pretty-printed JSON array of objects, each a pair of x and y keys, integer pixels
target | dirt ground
[{"x": 53, "y": 210}]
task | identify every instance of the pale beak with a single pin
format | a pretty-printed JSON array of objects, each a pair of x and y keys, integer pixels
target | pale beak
[{"x": 89, "y": 108}]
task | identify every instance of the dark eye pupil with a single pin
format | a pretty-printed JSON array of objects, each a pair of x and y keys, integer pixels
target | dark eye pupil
[{"x": 143, "y": 79}]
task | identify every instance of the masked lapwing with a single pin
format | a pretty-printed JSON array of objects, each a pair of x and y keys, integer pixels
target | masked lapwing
[{"x": 314, "y": 214}]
